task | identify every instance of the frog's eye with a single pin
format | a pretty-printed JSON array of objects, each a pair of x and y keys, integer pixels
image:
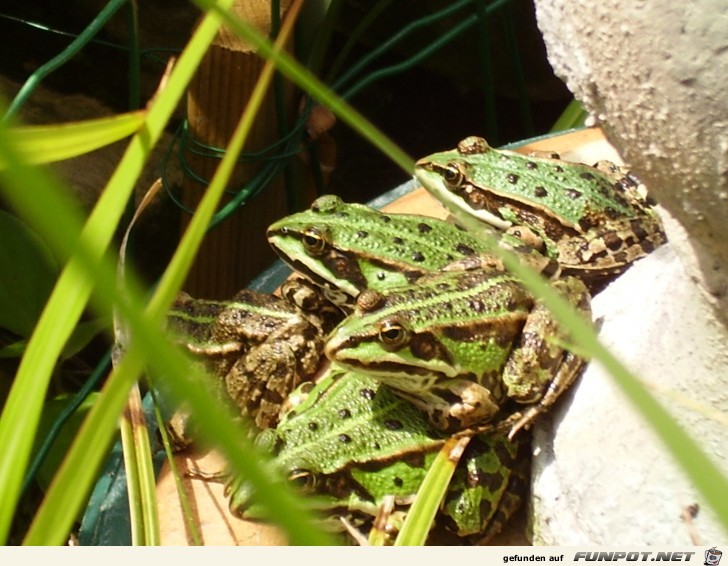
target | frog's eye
[
  {"x": 314, "y": 240},
  {"x": 303, "y": 480},
  {"x": 392, "y": 334},
  {"x": 452, "y": 175}
]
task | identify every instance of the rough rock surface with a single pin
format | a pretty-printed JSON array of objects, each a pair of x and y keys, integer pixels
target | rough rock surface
[
  {"x": 652, "y": 74},
  {"x": 601, "y": 474}
]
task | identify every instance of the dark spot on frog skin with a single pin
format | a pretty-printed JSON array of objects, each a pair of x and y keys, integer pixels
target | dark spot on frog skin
[
  {"x": 464, "y": 250},
  {"x": 398, "y": 482},
  {"x": 612, "y": 241},
  {"x": 361, "y": 234},
  {"x": 418, "y": 257},
  {"x": 313, "y": 426},
  {"x": 586, "y": 223},
  {"x": 344, "y": 413},
  {"x": 620, "y": 258},
  {"x": 274, "y": 396},
  {"x": 647, "y": 246},
  {"x": 368, "y": 394},
  {"x": 491, "y": 481},
  {"x": 393, "y": 424},
  {"x": 386, "y": 219},
  {"x": 586, "y": 175},
  {"x": 426, "y": 347},
  {"x": 502, "y": 452},
  {"x": 345, "y": 438},
  {"x": 540, "y": 191},
  {"x": 504, "y": 339},
  {"x": 611, "y": 213},
  {"x": 398, "y": 241},
  {"x": 558, "y": 169},
  {"x": 512, "y": 178},
  {"x": 572, "y": 193},
  {"x": 638, "y": 229},
  {"x": 449, "y": 396},
  {"x": 531, "y": 165},
  {"x": 423, "y": 228}
]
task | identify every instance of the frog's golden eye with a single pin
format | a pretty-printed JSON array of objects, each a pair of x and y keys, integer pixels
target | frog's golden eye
[
  {"x": 303, "y": 479},
  {"x": 314, "y": 240},
  {"x": 392, "y": 334},
  {"x": 453, "y": 175}
]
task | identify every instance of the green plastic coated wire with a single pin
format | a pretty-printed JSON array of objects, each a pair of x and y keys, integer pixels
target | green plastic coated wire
[
  {"x": 292, "y": 138},
  {"x": 66, "y": 55}
]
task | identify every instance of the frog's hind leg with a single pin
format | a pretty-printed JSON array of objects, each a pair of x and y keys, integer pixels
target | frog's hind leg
[
  {"x": 540, "y": 369},
  {"x": 569, "y": 370},
  {"x": 259, "y": 384}
]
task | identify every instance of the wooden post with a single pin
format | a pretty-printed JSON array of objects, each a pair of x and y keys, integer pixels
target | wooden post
[{"x": 235, "y": 251}]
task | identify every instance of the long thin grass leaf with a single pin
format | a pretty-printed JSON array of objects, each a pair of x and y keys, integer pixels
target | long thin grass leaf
[
  {"x": 704, "y": 473},
  {"x": 50, "y": 522},
  {"x": 46, "y": 144},
  {"x": 421, "y": 515},
  {"x": 23, "y": 406}
]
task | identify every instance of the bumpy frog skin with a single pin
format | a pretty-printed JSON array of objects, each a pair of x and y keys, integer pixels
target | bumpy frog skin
[
  {"x": 594, "y": 221},
  {"x": 347, "y": 248},
  {"x": 352, "y": 442},
  {"x": 259, "y": 345},
  {"x": 459, "y": 344}
]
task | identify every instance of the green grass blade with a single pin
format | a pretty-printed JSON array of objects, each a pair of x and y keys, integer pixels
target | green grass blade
[
  {"x": 45, "y": 144},
  {"x": 573, "y": 116},
  {"x": 184, "y": 501},
  {"x": 141, "y": 479},
  {"x": 422, "y": 514},
  {"x": 23, "y": 406},
  {"x": 704, "y": 473}
]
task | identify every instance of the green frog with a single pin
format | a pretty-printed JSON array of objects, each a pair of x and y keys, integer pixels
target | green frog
[
  {"x": 347, "y": 248},
  {"x": 351, "y": 443},
  {"x": 461, "y": 344},
  {"x": 259, "y": 345},
  {"x": 594, "y": 221}
]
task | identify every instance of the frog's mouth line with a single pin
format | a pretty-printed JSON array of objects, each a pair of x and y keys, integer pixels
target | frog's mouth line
[{"x": 455, "y": 203}]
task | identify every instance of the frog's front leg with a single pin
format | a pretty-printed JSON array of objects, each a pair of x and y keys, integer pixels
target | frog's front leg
[
  {"x": 540, "y": 368},
  {"x": 455, "y": 405},
  {"x": 313, "y": 302}
]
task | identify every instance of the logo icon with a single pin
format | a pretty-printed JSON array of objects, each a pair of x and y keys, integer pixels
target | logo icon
[{"x": 713, "y": 556}]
